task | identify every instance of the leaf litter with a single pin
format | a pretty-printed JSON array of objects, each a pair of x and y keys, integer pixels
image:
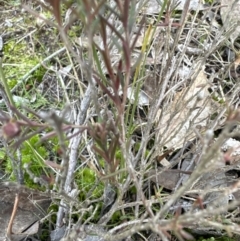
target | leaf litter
[{"x": 189, "y": 110}]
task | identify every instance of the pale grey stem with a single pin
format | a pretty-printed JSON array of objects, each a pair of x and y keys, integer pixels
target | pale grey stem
[{"x": 74, "y": 146}]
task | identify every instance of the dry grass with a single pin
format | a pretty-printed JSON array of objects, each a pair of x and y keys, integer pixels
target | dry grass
[{"x": 131, "y": 162}]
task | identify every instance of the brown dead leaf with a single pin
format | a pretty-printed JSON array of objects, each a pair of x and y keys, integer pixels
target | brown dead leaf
[
  {"x": 190, "y": 109},
  {"x": 167, "y": 179}
]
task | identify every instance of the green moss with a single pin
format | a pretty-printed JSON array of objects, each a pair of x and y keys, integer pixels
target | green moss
[
  {"x": 33, "y": 148},
  {"x": 18, "y": 61},
  {"x": 14, "y": 2},
  {"x": 74, "y": 32},
  {"x": 116, "y": 217},
  {"x": 133, "y": 190},
  {"x": 209, "y": 1},
  {"x": 208, "y": 239},
  {"x": 217, "y": 99},
  {"x": 101, "y": 162},
  {"x": 86, "y": 181},
  {"x": 33, "y": 154},
  {"x": 2, "y": 155}
]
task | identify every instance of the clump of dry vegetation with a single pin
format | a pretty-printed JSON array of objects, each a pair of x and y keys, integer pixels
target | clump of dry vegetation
[{"x": 122, "y": 122}]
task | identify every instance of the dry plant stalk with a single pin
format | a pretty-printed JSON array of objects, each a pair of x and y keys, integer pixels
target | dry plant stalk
[
  {"x": 108, "y": 72},
  {"x": 14, "y": 211}
]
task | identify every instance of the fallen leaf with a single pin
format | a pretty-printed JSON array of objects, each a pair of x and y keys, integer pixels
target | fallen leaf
[
  {"x": 167, "y": 179},
  {"x": 143, "y": 98},
  {"x": 190, "y": 109},
  {"x": 230, "y": 17}
]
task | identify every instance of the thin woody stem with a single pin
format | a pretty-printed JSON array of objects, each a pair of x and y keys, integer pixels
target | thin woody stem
[{"x": 10, "y": 224}]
